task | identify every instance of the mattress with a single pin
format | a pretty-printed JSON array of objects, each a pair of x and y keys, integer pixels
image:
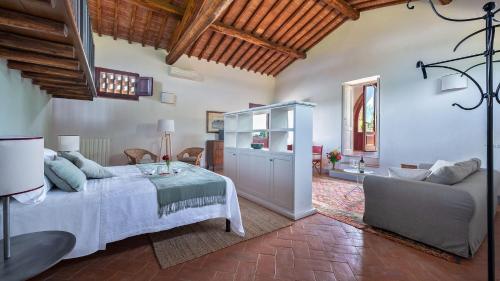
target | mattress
[{"x": 113, "y": 209}]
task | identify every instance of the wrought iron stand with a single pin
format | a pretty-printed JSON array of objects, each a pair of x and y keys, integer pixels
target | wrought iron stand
[{"x": 490, "y": 95}]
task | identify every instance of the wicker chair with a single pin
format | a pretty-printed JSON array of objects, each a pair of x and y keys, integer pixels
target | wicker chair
[
  {"x": 194, "y": 155},
  {"x": 136, "y": 155}
]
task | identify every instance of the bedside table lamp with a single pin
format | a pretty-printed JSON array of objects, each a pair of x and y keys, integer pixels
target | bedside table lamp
[
  {"x": 21, "y": 170},
  {"x": 68, "y": 143},
  {"x": 166, "y": 127}
]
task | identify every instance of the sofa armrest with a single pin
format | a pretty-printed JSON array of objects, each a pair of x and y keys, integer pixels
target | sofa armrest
[{"x": 435, "y": 214}]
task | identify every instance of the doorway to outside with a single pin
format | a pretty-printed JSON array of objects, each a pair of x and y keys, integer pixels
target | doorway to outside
[{"x": 360, "y": 118}]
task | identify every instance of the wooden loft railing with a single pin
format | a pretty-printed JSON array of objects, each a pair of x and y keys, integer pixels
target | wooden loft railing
[{"x": 50, "y": 42}]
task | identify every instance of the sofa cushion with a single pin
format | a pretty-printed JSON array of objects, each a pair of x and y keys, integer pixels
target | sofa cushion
[
  {"x": 409, "y": 174},
  {"x": 450, "y": 175},
  {"x": 439, "y": 164}
]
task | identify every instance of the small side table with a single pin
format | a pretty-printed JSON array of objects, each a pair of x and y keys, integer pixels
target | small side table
[
  {"x": 359, "y": 179},
  {"x": 33, "y": 253}
]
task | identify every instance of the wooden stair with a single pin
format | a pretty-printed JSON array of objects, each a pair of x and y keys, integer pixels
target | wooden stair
[{"x": 43, "y": 39}]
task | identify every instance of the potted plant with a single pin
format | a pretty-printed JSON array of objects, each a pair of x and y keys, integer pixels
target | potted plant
[{"x": 334, "y": 156}]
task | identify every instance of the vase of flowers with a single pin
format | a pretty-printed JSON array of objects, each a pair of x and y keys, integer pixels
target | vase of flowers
[
  {"x": 334, "y": 156},
  {"x": 166, "y": 158}
]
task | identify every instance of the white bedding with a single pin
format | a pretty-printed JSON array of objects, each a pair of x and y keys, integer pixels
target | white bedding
[{"x": 113, "y": 209}]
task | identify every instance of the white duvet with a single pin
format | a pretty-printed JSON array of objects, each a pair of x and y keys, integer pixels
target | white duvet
[{"x": 113, "y": 209}]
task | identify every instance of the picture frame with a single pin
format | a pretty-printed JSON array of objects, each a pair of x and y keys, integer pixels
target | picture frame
[{"x": 215, "y": 121}]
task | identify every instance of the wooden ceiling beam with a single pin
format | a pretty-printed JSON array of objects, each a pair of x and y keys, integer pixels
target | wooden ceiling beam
[
  {"x": 28, "y": 67},
  {"x": 115, "y": 22},
  {"x": 14, "y": 41},
  {"x": 22, "y": 21},
  {"x": 59, "y": 91},
  {"x": 61, "y": 82},
  {"x": 161, "y": 5},
  {"x": 205, "y": 15},
  {"x": 131, "y": 25},
  {"x": 36, "y": 58},
  {"x": 344, "y": 8},
  {"x": 60, "y": 86},
  {"x": 99, "y": 18},
  {"x": 159, "y": 37},
  {"x": 188, "y": 15},
  {"x": 52, "y": 78},
  {"x": 258, "y": 41},
  {"x": 146, "y": 27},
  {"x": 72, "y": 97}
]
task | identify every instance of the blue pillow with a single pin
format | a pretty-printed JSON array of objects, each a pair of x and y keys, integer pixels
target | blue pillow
[
  {"x": 64, "y": 175},
  {"x": 90, "y": 168}
]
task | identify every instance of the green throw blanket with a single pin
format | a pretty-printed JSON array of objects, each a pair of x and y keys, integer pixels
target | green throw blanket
[{"x": 191, "y": 187}]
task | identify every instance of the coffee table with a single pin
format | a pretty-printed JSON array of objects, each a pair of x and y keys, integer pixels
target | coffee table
[{"x": 359, "y": 179}]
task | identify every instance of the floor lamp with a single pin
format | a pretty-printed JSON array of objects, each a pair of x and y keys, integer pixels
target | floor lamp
[
  {"x": 21, "y": 170},
  {"x": 166, "y": 128},
  {"x": 489, "y": 94}
]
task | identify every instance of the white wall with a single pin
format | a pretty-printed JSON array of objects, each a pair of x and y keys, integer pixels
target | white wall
[
  {"x": 133, "y": 124},
  {"x": 24, "y": 109},
  {"x": 418, "y": 123}
]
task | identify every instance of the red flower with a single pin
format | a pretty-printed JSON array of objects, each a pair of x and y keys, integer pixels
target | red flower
[
  {"x": 166, "y": 158},
  {"x": 339, "y": 157}
]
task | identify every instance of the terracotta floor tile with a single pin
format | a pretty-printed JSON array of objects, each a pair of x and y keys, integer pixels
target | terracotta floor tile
[
  {"x": 224, "y": 276},
  {"x": 324, "y": 276},
  {"x": 266, "y": 265},
  {"x": 246, "y": 271},
  {"x": 221, "y": 264},
  {"x": 342, "y": 271}
]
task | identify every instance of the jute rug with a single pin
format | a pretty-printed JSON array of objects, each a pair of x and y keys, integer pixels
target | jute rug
[
  {"x": 185, "y": 243},
  {"x": 330, "y": 200}
]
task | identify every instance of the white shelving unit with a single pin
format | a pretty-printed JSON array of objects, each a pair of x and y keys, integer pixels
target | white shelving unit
[{"x": 279, "y": 176}]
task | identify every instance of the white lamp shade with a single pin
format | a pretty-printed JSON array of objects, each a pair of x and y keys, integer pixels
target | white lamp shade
[
  {"x": 68, "y": 143},
  {"x": 21, "y": 164},
  {"x": 166, "y": 125}
]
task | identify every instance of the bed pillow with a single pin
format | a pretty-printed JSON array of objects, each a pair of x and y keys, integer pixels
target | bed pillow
[
  {"x": 49, "y": 154},
  {"x": 450, "y": 175},
  {"x": 91, "y": 169},
  {"x": 65, "y": 175},
  {"x": 409, "y": 174},
  {"x": 36, "y": 196}
]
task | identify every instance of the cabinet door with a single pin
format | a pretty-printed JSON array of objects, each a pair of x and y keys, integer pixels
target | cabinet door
[
  {"x": 254, "y": 174},
  {"x": 230, "y": 165},
  {"x": 282, "y": 181}
]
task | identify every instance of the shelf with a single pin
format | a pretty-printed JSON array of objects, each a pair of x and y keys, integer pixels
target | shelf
[
  {"x": 282, "y": 130},
  {"x": 282, "y": 118}
]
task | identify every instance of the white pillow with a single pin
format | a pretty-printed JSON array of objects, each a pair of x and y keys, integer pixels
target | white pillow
[
  {"x": 409, "y": 174},
  {"x": 36, "y": 196},
  {"x": 49, "y": 154},
  {"x": 440, "y": 164}
]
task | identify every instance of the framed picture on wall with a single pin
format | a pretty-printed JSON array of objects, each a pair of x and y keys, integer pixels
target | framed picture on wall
[{"x": 215, "y": 121}]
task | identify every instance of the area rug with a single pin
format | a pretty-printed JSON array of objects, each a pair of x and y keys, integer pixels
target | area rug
[
  {"x": 185, "y": 243},
  {"x": 342, "y": 201}
]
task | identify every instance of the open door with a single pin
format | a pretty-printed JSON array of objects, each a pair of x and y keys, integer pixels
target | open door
[{"x": 370, "y": 122}]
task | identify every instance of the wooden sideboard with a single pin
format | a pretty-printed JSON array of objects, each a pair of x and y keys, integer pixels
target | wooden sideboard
[{"x": 215, "y": 154}]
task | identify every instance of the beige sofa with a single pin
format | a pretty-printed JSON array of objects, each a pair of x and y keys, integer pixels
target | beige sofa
[{"x": 449, "y": 217}]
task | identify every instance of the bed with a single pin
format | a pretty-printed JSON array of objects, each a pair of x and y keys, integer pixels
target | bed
[{"x": 113, "y": 209}]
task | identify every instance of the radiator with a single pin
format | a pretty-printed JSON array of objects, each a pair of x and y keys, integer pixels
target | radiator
[{"x": 96, "y": 149}]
